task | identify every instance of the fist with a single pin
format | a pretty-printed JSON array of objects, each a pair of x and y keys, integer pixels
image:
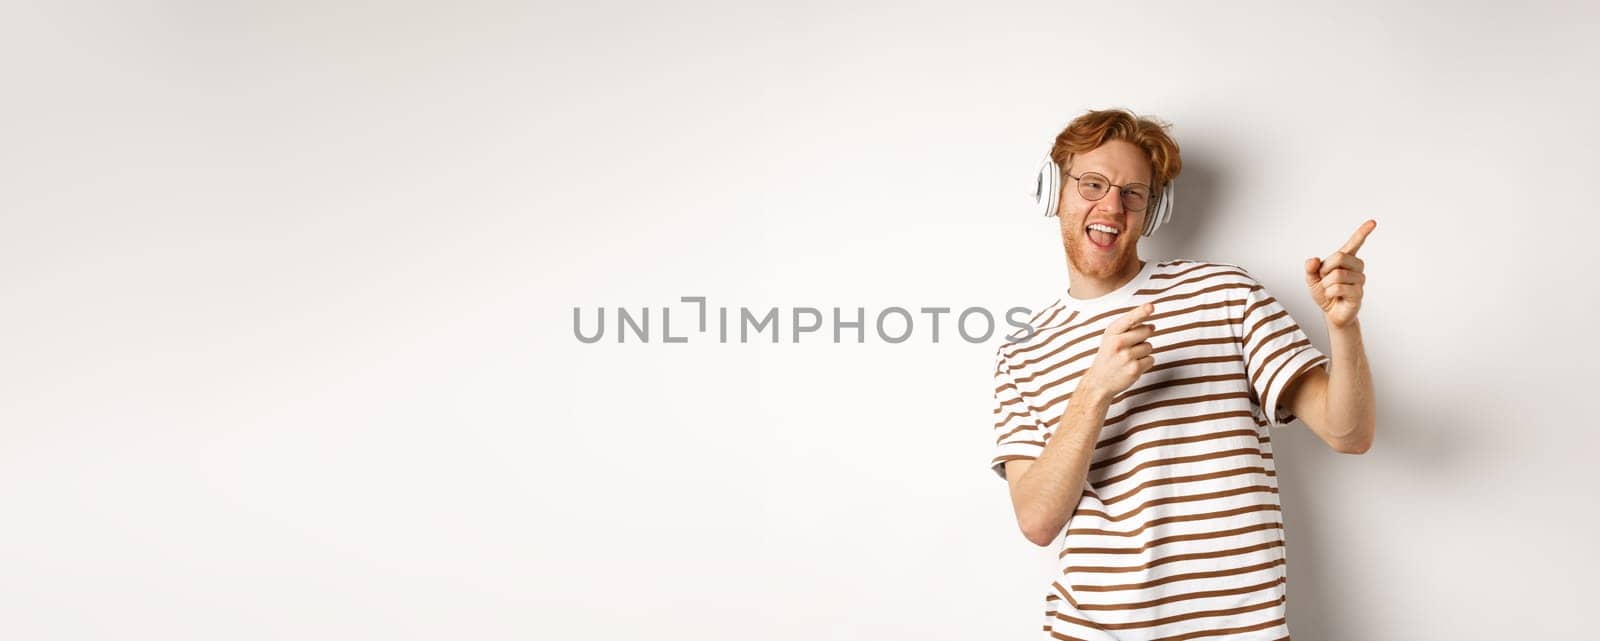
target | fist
[
  {"x": 1336, "y": 281},
  {"x": 1124, "y": 354}
]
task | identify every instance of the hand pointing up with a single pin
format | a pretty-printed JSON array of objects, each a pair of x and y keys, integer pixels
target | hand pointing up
[{"x": 1336, "y": 281}]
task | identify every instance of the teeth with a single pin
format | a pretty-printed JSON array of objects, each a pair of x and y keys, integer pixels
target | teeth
[{"x": 1105, "y": 228}]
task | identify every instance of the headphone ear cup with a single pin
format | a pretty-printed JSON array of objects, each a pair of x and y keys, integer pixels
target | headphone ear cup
[
  {"x": 1166, "y": 203},
  {"x": 1047, "y": 187},
  {"x": 1160, "y": 211}
]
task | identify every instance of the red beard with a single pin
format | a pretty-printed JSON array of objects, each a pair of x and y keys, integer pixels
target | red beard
[{"x": 1095, "y": 262}]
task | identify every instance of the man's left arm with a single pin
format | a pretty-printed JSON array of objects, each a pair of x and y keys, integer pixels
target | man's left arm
[{"x": 1338, "y": 403}]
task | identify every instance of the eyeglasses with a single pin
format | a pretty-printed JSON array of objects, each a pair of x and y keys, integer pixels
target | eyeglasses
[{"x": 1093, "y": 186}]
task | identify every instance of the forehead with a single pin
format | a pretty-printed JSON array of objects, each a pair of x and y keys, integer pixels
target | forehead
[{"x": 1119, "y": 160}]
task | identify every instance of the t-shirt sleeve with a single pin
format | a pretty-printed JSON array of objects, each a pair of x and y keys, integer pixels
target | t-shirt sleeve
[
  {"x": 1276, "y": 352},
  {"x": 1019, "y": 435}
]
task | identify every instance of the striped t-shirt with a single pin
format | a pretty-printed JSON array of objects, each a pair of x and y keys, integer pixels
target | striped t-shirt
[{"x": 1178, "y": 533}]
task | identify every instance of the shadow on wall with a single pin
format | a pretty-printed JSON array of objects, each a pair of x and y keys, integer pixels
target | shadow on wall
[
  {"x": 1436, "y": 445},
  {"x": 1197, "y": 221}
]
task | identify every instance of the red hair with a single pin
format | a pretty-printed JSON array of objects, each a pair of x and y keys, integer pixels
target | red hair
[{"x": 1095, "y": 128}]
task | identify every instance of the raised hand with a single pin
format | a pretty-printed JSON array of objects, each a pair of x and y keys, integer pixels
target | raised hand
[
  {"x": 1336, "y": 281},
  {"x": 1124, "y": 354}
]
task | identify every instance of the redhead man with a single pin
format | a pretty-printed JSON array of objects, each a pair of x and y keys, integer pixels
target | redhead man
[{"x": 1134, "y": 424}]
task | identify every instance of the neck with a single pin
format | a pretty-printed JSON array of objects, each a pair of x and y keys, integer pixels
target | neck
[{"x": 1084, "y": 286}]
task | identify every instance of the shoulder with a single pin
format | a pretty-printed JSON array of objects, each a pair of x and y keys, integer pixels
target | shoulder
[
  {"x": 1017, "y": 337},
  {"x": 1193, "y": 266},
  {"x": 1186, "y": 275}
]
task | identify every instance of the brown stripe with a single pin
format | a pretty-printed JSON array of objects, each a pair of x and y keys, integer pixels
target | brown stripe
[
  {"x": 1192, "y": 556},
  {"x": 1264, "y": 301},
  {"x": 1176, "y": 538},
  {"x": 1039, "y": 332},
  {"x": 1140, "y": 391},
  {"x": 1211, "y": 633},
  {"x": 1046, "y": 387},
  {"x": 1179, "y": 577},
  {"x": 1040, "y": 341},
  {"x": 1193, "y": 458},
  {"x": 1210, "y": 378},
  {"x": 1186, "y": 310},
  {"x": 1272, "y": 411},
  {"x": 1182, "y": 273},
  {"x": 1262, "y": 364},
  {"x": 1054, "y": 309},
  {"x": 1185, "y": 617},
  {"x": 1187, "y": 400},
  {"x": 1163, "y": 332},
  {"x": 1219, "y": 340},
  {"x": 1203, "y": 277},
  {"x": 1065, "y": 328},
  {"x": 1150, "y": 425},
  {"x": 1101, "y": 332},
  {"x": 1264, "y": 507},
  {"x": 1164, "y": 349},
  {"x": 1199, "y": 324},
  {"x": 1007, "y": 418},
  {"x": 1255, "y": 327},
  {"x": 1020, "y": 428},
  {"x": 1188, "y": 596},
  {"x": 1194, "y": 361},
  {"x": 1178, "y": 499},
  {"x": 1268, "y": 340},
  {"x": 1063, "y": 363},
  {"x": 1176, "y": 440},
  {"x": 1173, "y": 480},
  {"x": 1046, "y": 324},
  {"x": 1159, "y": 367},
  {"x": 1074, "y": 602}
]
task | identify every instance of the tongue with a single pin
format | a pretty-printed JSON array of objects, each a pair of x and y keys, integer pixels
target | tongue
[{"x": 1101, "y": 238}]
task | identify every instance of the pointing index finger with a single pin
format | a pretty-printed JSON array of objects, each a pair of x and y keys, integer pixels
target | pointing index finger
[
  {"x": 1356, "y": 239},
  {"x": 1132, "y": 317}
]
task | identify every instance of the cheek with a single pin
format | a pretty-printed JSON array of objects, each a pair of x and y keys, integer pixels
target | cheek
[
  {"x": 1073, "y": 220},
  {"x": 1068, "y": 226}
]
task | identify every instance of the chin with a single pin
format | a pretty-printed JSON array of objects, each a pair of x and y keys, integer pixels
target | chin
[{"x": 1104, "y": 267}]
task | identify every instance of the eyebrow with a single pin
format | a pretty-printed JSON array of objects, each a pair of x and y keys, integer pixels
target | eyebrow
[{"x": 1102, "y": 173}]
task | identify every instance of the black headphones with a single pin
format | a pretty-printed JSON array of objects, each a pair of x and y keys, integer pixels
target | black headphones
[{"x": 1047, "y": 193}]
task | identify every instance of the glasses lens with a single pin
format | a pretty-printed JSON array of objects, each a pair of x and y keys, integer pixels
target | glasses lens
[
  {"x": 1092, "y": 186},
  {"x": 1135, "y": 197}
]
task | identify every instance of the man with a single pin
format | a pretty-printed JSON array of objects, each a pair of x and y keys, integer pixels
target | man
[{"x": 1134, "y": 423}]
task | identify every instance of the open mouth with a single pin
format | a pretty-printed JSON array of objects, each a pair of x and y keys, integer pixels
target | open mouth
[{"x": 1102, "y": 235}]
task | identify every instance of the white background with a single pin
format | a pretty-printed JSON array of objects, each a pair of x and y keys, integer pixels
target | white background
[{"x": 286, "y": 297}]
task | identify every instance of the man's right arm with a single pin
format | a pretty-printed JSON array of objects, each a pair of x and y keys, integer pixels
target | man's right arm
[{"x": 1045, "y": 491}]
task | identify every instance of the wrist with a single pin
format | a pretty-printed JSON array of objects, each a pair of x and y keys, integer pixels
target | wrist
[
  {"x": 1097, "y": 399},
  {"x": 1351, "y": 327}
]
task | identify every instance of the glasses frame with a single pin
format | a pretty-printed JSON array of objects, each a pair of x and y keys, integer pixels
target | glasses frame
[{"x": 1149, "y": 191}]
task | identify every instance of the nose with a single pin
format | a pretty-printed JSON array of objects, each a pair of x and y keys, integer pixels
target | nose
[{"x": 1112, "y": 201}]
